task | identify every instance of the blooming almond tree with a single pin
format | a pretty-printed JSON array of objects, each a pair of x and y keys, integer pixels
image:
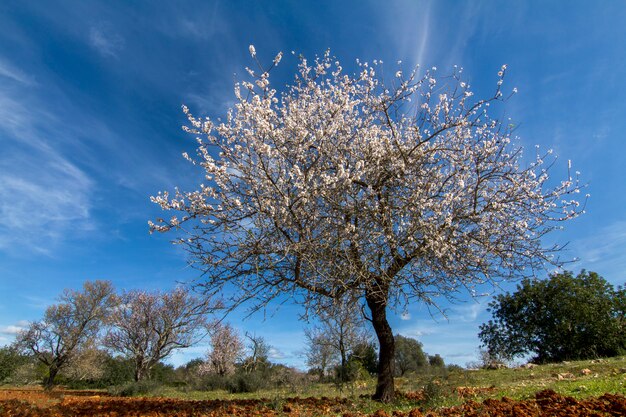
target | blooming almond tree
[
  {"x": 226, "y": 350},
  {"x": 148, "y": 326},
  {"x": 391, "y": 190}
]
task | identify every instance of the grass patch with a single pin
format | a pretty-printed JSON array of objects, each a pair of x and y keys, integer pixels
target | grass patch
[
  {"x": 578, "y": 379},
  {"x": 427, "y": 391}
]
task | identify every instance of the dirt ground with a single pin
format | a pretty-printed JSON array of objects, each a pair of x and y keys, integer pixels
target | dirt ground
[{"x": 37, "y": 403}]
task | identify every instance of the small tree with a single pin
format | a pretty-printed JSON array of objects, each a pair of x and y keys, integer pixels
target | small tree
[
  {"x": 409, "y": 356},
  {"x": 149, "y": 326},
  {"x": 561, "y": 318},
  {"x": 488, "y": 360},
  {"x": 365, "y": 353},
  {"x": 226, "y": 349},
  {"x": 436, "y": 361},
  {"x": 67, "y": 326},
  {"x": 353, "y": 186},
  {"x": 319, "y": 353},
  {"x": 259, "y": 353},
  {"x": 10, "y": 360},
  {"x": 117, "y": 370},
  {"x": 340, "y": 328}
]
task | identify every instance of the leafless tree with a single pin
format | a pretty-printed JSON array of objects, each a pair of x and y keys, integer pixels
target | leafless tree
[
  {"x": 319, "y": 353},
  {"x": 390, "y": 189},
  {"x": 68, "y": 326},
  {"x": 340, "y": 327},
  {"x": 259, "y": 353},
  {"x": 226, "y": 349},
  {"x": 149, "y": 326}
]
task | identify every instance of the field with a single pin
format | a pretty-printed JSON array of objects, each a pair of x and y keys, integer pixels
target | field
[{"x": 589, "y": 388}]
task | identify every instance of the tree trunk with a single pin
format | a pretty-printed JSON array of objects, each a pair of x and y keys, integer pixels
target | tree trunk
[
  {"x": 343, "y": 370},
  {"x": 140, "y": 370},
  {"x": 377, "y": 303},
  {"x": 48, "y": 381}
]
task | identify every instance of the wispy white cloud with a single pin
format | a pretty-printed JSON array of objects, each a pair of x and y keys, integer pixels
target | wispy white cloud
[
  {"x": 409, "y": 30},
  {"x": 276, "y": 354},
  {"x": 454, "y": 337},
  {"x": 417, "y": 35},
  {"x": 104, "y": 38},
  {"x": 7, "y": 70},
  {"x": 423, "y": 36},
  {"x": 45, "y": 198},
  {"x": 8, "y": 332},
  {"x": 13, "y": 115},
  {"x": 37, "y": 303},
  {"x": 418, "y": 329},
  {"x": 469, "y": 312},
  {"x": 216, "y": 101},
  {"x": 603, "y": 252},
  {"x": 197, "y": 29},
  {"x": 38, "y": 211},
  {"x": 14, "y": 329},
  {"x": 181, "y": 357},
  {"x": 203, "y": 25}
]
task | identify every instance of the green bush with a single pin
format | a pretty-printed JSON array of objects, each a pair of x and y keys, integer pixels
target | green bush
[
  {"x": 117, "y": 371},
  {"x": 31, "y": 372},
  {"x": 454, "y": 368},
  {"x": 212, "y": 382},
  {"x": 246, "y": 382},
  {"x": 561, "y": 318},
  {"x": 10, "y": 361},
  {"x": 434, "y": 393},
  {"x": 282, "y": 376},
  {"x": 269, "y": 377},
  {"x": 366, "y": 353}
]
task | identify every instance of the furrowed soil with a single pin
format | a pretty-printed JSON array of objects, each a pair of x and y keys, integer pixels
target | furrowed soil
[{"x": 35, "y": 402}]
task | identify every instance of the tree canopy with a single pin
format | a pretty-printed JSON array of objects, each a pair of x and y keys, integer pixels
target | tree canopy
[
  {"x": 565, "y": 317},
  {"x": 149, "y": 326},
  {"x": 409, "y": 355},
  {"x": 226, "y": 350},
  {"x": 67, "y": 326},
  {"x": 389, "y": 188}
]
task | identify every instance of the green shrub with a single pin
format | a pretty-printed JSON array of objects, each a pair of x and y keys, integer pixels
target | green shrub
[
  {"x": 212, "y": 382},
  {"x": 10, "y": 361},
  {"x": 30, "y": 373},
  {"x": 246, "y": 382},
  {"x": 434, "y": 393}
]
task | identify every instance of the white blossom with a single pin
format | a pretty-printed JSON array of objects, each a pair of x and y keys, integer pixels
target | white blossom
[
  {"x": 335, "y": 186},
  {"x": 278, "y": 58}
]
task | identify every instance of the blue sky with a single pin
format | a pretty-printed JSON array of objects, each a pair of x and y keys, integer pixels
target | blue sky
[{"x": 90, "y": 98}]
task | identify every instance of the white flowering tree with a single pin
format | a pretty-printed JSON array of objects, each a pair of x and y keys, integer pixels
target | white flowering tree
[
  {"x": 148, "y": 326},
  {"x": 392, "y": 190},
  {"x": 226, "y": 350}
]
